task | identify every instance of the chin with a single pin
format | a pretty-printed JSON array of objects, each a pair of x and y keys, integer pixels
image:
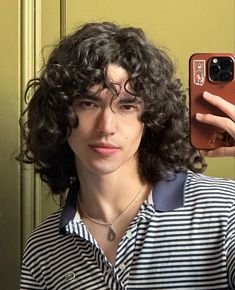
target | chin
[{"x": 103, "y": 170}]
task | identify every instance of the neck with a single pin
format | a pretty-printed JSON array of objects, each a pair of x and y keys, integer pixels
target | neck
[{"x": 105, "y": 196}]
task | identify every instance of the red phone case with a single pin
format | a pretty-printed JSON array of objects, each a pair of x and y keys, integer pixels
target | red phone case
[{"x": 204, "y": 136}]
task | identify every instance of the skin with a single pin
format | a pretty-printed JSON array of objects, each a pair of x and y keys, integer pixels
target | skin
[
  {"x": 105, "y": 146},
  {"x": 108, "y": 135},
  {"x": 227, "y": 124}
]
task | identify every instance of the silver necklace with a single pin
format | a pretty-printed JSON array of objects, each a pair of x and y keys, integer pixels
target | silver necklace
[{"x": 111, "y": 235}]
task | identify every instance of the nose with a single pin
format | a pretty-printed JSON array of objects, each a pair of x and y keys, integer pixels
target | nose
[{"x": 106, "y": 122}]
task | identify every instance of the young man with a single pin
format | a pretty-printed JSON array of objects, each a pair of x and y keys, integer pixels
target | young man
[{"x": 108, "y": 122}]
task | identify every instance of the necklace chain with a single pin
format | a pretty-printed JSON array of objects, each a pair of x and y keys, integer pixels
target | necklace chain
[{"x": 111, "y": 236}]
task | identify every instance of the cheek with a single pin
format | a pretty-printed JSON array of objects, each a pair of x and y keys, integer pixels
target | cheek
[
  {"x": 75, "y": 138},
  {"x": 71, "y": 140},
  {"x": 141, "y": 130},
  {"x": 136, "y": 133},
  {"x": 82, "y": 130}
]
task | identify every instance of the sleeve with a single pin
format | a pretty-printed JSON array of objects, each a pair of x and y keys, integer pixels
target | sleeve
[
  {"x": 27, "y": 281},
  {"x": 230, "y": 247}
]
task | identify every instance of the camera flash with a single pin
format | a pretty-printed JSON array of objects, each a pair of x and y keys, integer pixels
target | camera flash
[{"x": 215, "y": 60}]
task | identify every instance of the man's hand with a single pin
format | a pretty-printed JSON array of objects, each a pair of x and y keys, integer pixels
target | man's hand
[{"x": 228, "y": 124}]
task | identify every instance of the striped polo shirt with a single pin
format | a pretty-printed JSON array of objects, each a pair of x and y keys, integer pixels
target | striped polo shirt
[{"x": 183, "y": 237}]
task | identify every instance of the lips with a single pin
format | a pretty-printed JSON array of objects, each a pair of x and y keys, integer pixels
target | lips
[{"x": 104, "y": 148}]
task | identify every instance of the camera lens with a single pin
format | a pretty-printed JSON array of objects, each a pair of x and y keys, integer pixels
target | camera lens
[
  {"x": 214, "y": 70},
  {"x": 226, "y": 63},
  {"x": 226, "y": 76}
]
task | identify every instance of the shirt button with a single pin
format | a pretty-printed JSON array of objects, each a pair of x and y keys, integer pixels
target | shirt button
[
  {"x": 129, "y": 234},
  {"x": 122, "y": 266}
]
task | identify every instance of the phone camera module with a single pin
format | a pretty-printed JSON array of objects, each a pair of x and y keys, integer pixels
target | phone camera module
[{"x": 221, "y": 69}]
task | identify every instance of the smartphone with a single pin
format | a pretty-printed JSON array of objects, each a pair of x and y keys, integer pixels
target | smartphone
[{"x": 212, "y": 72}]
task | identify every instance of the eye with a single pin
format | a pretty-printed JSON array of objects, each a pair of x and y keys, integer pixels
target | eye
[
  {"x": 86, "y": 104},
  {"x": 129, "y": 107}
]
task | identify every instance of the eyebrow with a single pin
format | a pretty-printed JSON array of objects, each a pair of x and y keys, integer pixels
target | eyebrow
[
  {"x": 91, "y": 97},
  {"x": 124, "y": 99},
  {"x": 130, "y": 99}
]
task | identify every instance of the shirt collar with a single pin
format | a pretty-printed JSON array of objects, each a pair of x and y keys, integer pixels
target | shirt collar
[
  {"x": 70, "y": 206},
  {"x": 167, "y": 195}
]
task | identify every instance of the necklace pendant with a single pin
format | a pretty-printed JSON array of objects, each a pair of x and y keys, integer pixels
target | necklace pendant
[{"x": 111, "y": 234}]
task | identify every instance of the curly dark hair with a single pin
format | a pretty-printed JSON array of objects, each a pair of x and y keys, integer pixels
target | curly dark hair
[{"x": 77, "y": 63}]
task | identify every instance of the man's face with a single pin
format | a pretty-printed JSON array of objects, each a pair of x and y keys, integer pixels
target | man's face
[{"x": 109, "y": 131}]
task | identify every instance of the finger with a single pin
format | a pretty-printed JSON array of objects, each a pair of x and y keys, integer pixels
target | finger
[
  {"x": 225, "y": 106},
  {"x": 220, "y": 122},
  {"x": 220, "y": 152}
]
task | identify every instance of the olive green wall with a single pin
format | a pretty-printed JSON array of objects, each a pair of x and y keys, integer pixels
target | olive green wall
[
  {"x": 9, "y": 140},
  {"x": 183, "y": 26}
]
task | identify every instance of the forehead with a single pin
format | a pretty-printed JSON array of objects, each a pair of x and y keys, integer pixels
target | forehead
[{"x": 116, "y": 75}]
